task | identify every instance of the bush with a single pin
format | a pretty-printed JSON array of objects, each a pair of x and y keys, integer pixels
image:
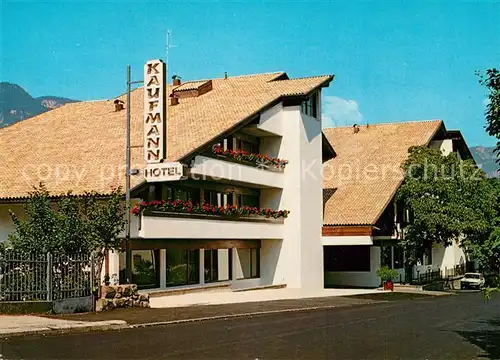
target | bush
[{"x": 386, "y": 274}]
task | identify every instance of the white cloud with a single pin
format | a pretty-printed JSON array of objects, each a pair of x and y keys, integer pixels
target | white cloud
[{"x": 340, "y": 112}]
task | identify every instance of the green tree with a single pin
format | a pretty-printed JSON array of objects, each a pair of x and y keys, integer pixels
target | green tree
[
  {"x": 447, "y": 198},
  {"x": 90, "y": 225},
  {"x": 491, "y": 80}
]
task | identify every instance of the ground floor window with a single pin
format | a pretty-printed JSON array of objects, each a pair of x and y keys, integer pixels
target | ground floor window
[
  {"x": 391, "y": 256},
  {"x": 145, "y": 265},
  {"x": 217, "y": 265},
  {"x": 426, "y": 257},
  {"x": 183, "y": 267},
  {"x": 399, "y": 261},
  {"x": 386, "y": 256},
  {"x": 347, "y": 258},
  {"x": 249, "y": 261}
]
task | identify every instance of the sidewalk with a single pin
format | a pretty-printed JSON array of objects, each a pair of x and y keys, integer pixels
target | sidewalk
[
  {"x": 260, "y": 295},
  {"x": 26, "y": 324}
]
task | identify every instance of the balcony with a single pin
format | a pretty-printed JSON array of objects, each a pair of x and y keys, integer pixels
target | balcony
[
  {"x": 220, "y": 168},
  {"x": 161, "y": 225}
]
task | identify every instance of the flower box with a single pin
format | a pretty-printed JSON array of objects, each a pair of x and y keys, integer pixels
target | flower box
[
  {"x": 256, "y": 160},
  {"x": 187, "y": 207}
]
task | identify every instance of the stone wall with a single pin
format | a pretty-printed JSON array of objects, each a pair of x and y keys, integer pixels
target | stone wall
[{"x": 119, "y": 296}]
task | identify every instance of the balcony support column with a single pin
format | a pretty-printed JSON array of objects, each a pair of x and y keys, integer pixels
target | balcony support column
[
  {"x": 202, "y": 266},
  {"x": 163, "y": 268}
]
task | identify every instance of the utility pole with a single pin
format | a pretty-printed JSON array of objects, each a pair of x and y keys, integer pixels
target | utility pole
[
  {"x": 128, "y": 249},
  {"x": 128, "y": 172}
]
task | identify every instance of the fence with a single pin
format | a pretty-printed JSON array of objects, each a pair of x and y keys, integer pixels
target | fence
[
  {"x": 43, "y": 277},
  {"x": 429, "y": 276}
]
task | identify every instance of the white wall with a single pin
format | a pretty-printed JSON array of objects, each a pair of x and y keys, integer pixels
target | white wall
[
  {"x": 154, "y": 227},
  {"x": 272, "y": 271},
  {"x": 6, "y": 225},
  {"x": 272, "y": 120},
  {"x": 237, "y": 281},
  {"x": 446, "y": 146},
  {"x": 299, "y": 260},
  {"x": 443, "y": 258},
  {"x": 346, "y": 240},
  {"x": 357, "y": 278}
]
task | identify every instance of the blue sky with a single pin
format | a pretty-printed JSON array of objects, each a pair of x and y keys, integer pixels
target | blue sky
[{"x": 393, "y": 61}]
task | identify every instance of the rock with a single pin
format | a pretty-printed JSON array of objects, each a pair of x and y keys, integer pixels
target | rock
[
  {"x": 108, "y": 292},
  {"x": 118, "y": 303},
  {"x": 134, "y": 288},
  {"x": 127, "y": 291},
  {"x": 100, "y": 305},
  {"x": 118, "y": 295},
  {"x": 144, "y": 304},
  {"x": 144, "y": 297},
  {"x": 135, "y": 296},
  {"x": 120, "y": 289},
  {"x": 136, "y": 303},
  {"x": 129, "y": 302}
]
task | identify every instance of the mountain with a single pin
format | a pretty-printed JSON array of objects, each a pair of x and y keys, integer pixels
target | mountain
[
  {"x": 16, "y": 104},
  {"x": 485, "y": 158}
]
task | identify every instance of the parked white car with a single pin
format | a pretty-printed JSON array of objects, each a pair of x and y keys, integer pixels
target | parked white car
[{"x": 472, "y": 281}]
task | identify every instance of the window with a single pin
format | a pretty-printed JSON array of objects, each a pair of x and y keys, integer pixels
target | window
[
  {"x": 386, "y": 256},
  {"x": 247, "y": 146},
  {"x": 426, "y": 257},
  {"x": 310, "y": 106},
  {"x": 184, "y": 194},
  {"x": 398, "y": 257},
  {"x": 145, "y": 265},
  {"x": 249, "y": 263},
  {"x": 211, "y": 197},
  {"x": 217, "y": 265},
  {"x": 248, "y": 200},
  {"x": 183, "y": 267},
  {"x": 347, "y": 258}
]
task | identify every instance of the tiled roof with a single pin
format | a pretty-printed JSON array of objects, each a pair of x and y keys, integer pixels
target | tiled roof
[
  {"x": 360, "y": 182},
  {"x": 80, "y": 147}
]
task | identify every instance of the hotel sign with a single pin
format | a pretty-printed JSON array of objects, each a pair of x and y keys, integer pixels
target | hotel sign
[
  {"x": 154, "y": 111},
  {"x": 167, "y": 171}
]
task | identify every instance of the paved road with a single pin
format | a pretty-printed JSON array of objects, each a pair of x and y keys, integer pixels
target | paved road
[{"x": 451, "y": 327}]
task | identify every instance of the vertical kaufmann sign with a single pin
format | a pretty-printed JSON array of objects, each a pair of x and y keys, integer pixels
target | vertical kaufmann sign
[{"x": 154, "y": 111}]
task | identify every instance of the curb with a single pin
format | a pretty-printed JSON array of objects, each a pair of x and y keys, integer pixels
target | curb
[
  {"x": 233, "y": 316},
  {"x": 64, "y": 328}
]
